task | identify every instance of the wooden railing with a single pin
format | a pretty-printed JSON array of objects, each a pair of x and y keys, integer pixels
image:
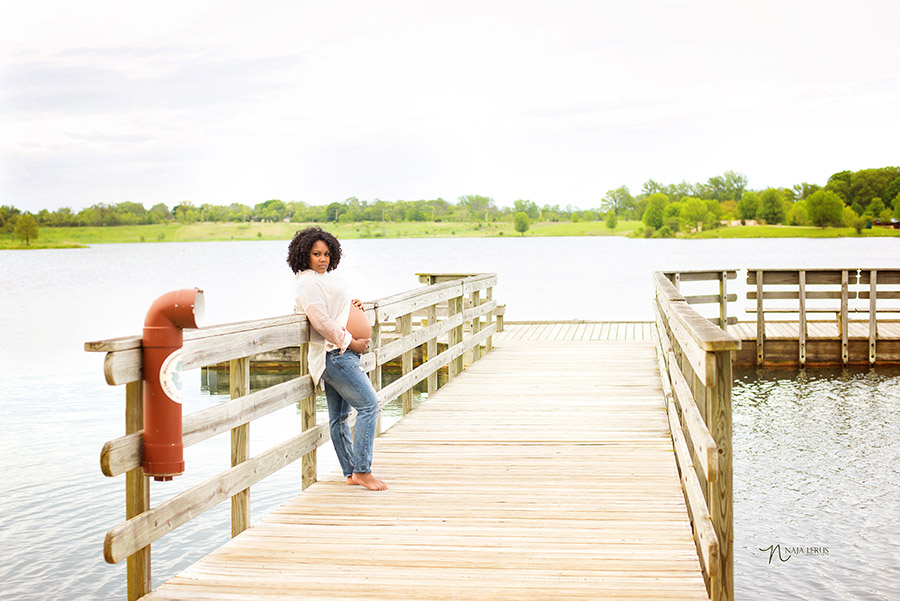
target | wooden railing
[
  {"x": 695, "y": 368},
  {"x": 803, "y": 292},
  {"x": 720, "y": 298},
  {"x": 467, "y": 331}
]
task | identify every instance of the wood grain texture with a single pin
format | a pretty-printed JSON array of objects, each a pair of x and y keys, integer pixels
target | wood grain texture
[{"x": 495, "y": 493}]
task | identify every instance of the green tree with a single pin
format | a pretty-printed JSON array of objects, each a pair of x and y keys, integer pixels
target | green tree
[
  {"x": 333, "y": 211},
  {"x": 729, "y": 186},
  {"x": 528, "y": 207},
  {"x": 522, "y": 222},
  {"x": 664, "y": 232},
  {"x": 748, "y": 205},
  {"x": 415, "y": 212},
  {"x": 891, "y": 192},
  {"x": 850, "y": 218},
  {"x": 478, "y": 207},
  {"x": 611, "y": 220},
  {"x": 875, "y": 208},
  {"x": 825, "y": 208},
  {"x": 771, "y": 206},
  {"x": 618, "y": 200},
  {"x": 798, "y": 213},
  {"x": 27, "y": 228},
  {"x": 804, "y": 190},
  {"x": 8, "y": 216},
  {"x": 654, "y": 214},
  {"x": 271, "y": 210},
  {"x": 694, "y": 213},
  {"x": 868, "y": 184},
  {"x": 186, "y": 213}
]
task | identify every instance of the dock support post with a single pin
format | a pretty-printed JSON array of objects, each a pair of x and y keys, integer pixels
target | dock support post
[
  {"x": 873, "y": 323},
  {"x": 309, "y": 464},
  {"x": 720, "y": 499},
  {"x": 137, "y": 494},
  {"x": 760, "y": 320},
  {"x": 802, "y": 344},
  {"x": 239, "y": 372}
]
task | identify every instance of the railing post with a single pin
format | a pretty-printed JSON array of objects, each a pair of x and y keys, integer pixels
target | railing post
[
  {"x": 431, "y": 351},
  {"x": 489, "y": 344},
  {"x": 723, "y": 300},
  {"x": 137, "y": 494},
  {"x": 476, "y": 325},
  {"x": 239, "y": 374},
  {"x": 406, "y": 398},
  {"x": 802, "y": 295},
  {"x": 845, "y": 327},
  {"x": 720, "y": 499},
  {"x": 873, "y": 323},
  {"x": 760, "y": 320},
  {"x": 309, "y": 467},
  {"x": 454, "y": 307},
  {"x": 375, "y": 374}
]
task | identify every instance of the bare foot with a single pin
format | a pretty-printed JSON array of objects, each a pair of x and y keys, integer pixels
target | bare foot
[
  {"x": 350, "y": 480},
  {"x": 368, "y": 480}
]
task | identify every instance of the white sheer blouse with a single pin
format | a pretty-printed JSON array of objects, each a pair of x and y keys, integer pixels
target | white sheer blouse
[{"x": 324, "y": 300}]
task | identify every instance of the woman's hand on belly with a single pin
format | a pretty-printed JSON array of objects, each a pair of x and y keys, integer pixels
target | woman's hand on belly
[{"x": 359, "y": 345}]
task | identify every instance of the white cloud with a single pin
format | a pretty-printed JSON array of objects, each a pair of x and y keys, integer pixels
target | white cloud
[{"x": 221, "y": 102}]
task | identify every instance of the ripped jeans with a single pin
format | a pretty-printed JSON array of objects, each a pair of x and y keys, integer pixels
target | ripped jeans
[{"x": 346, "y": 386}]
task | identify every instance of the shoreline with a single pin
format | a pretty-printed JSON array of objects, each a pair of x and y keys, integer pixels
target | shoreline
[{"x": 82, "y": 236}]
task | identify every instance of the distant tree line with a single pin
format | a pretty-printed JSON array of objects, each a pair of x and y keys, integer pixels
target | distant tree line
[
  {"x": 849, "y": 198},
  {"x": 664, "y": 209},
  {"x": 466, "y": 208}
]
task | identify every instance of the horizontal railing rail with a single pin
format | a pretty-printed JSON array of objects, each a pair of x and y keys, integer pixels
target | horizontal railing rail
[
  {"x": 841, "y": 292},
  {"x": 467, "y": 326},
  {"x": 695, "y": 368},
  {"x": 720, "y": 298}
]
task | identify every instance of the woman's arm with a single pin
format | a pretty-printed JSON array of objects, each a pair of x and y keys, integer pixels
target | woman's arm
[{"x": 327, "y": 327}]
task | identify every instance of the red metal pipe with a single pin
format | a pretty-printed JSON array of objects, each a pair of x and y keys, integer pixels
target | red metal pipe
[{"x": 163, "y": 338}]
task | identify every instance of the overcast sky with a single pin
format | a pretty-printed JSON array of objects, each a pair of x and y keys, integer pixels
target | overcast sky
[{"x": 555, "y": 102}]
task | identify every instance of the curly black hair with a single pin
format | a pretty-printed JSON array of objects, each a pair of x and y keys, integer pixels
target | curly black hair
[{"x": 301, "y": 246}]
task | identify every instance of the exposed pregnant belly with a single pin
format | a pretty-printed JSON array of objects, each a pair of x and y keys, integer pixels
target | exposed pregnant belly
[{"x": 358, "y": 324}]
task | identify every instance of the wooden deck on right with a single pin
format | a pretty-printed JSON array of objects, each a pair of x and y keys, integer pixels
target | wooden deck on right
[{"x": 823, "y": 344}]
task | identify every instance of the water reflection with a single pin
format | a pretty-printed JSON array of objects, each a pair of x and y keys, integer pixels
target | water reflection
[{"x": 815, "y": 468}]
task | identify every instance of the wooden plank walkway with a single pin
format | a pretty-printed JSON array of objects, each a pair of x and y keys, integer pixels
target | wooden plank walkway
[
  {"x": 544, "y": 471},
  {"x": 576, "y": 330}
]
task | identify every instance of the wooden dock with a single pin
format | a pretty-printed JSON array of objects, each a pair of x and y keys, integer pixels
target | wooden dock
[
  {"x": 544, "y": 471},
  {"x": 552, "y": 460},
  {"x": 566, "y": 460}
]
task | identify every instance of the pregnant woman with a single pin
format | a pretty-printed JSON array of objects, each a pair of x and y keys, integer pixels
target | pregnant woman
[{"x": 339, "y": 333}]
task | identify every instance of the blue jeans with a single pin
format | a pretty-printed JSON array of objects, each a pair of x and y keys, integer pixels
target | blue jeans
[{"x": 346, "y": 386}]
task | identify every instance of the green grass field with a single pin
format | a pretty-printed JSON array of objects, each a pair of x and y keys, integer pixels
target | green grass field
[
  {"x": 793, "y": 231},
  {"x": 72, "y": 237},
  {"x": 75, "y": 237}
]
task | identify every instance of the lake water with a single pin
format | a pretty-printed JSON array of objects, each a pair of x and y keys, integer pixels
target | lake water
[{"x": 815, "y": 454}]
